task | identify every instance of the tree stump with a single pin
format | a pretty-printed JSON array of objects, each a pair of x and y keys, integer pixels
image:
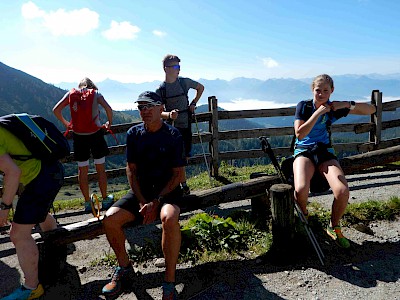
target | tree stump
[
  {"x": 260, "y": 205},
  {"x": 282, "y": 216}
]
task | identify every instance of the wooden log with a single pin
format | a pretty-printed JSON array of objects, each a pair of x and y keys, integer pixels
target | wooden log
[
  {"x": 282, "y": 215},
  {"x": 363, "y": 161}
]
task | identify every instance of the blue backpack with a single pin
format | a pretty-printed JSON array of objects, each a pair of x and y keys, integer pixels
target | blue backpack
[{"x": 40, "y": 136}]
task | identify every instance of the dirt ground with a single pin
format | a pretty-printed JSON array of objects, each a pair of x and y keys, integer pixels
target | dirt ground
[{"x": 370, "y": 269}]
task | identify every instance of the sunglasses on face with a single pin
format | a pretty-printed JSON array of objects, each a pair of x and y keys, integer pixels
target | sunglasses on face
[
  {"x": 145, "y": 106},
  {"x": 176, "y": 67}
]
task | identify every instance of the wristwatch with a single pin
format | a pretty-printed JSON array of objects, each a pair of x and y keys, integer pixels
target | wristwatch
[
  {"x": 352, "y": 105},
  {"x": 5, "y": 206},
  {"x": 159, "y": 199}
]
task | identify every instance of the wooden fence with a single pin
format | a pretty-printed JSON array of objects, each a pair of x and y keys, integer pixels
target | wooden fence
[{"x": 213, "y": 136}]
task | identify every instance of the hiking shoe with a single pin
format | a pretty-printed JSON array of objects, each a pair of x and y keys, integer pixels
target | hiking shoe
[
  {"x": 169, "y": 291},
  {"x": 336, "y": 234},
  {"x": 107, "y": 202},
  {"x": 22, "y": 293},
  {"x": 88, "y": 207},
  {"x": 185, "y": 188},
  {"x": 120, "y": 276}
]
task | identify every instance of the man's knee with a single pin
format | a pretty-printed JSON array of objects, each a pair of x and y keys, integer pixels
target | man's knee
[
  {"x": 170, "y": 219},
  {"x": 341, "y": 194}
]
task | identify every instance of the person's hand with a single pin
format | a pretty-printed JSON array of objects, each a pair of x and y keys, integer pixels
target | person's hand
[
  {"x": 3, "y": 217},
  {"x": 323, "y": 109},
  {"x": 174, "y": 114},
  {"x": 107, "y": 125},
  {"x": 192, "y": 107},
  {"x": 149, "y": 212}
]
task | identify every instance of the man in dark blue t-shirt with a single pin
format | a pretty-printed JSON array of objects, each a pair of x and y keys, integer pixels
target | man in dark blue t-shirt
[{"x": 155, "y": 164}]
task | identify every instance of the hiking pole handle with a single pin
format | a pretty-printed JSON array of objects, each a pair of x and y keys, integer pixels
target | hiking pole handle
[{"x": 266, "y": 147}]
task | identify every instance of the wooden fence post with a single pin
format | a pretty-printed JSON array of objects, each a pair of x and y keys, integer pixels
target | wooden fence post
[
  {"x": 282, "y": 216},
  {"x": 213, "y": 127},
  {"x": 375, "y": 135}
]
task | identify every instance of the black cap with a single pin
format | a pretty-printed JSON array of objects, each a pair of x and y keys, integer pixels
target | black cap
[{"x": 150, "y": 97}]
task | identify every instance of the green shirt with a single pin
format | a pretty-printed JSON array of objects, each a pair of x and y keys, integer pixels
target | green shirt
[{"x": 10, "y": 144}]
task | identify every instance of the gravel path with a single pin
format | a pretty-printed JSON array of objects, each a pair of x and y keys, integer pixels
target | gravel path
[{"x": 369, "y": 270}]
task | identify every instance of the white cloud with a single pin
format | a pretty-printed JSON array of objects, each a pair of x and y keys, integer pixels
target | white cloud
[
  {"x": 269, "y": 62},
  {"x": 121, "y": 31},
  {"x": 159, "y": 33},
  {"x": 29, "y": 10},
  {"x": 246, "y": 104},
  {"x": 61, "y": 22}
]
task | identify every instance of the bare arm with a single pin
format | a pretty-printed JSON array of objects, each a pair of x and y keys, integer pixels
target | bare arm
[
  {"x": 361, "y": 108},
  {"x": 12, "y": 174},
  {"x": 57, "y": 110},
  {"x": 174, "y": 181},
  {"x": 131, "y": 173},
  {"x": 108, "y": 110},
  {"x": 199, "y": 91}
]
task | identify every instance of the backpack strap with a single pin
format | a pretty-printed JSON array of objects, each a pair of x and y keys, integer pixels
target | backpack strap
[
  {"x": 307, "y": 112},
  {"x": 163, "y": 90}
]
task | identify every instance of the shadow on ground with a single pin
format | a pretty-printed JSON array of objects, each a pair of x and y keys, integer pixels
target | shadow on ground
[{"x": 363, "y": 265}]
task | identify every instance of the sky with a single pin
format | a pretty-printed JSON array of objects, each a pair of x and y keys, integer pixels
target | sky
[{"x": 64, "y": 41}]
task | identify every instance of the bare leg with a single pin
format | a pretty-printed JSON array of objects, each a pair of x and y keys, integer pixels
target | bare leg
[
  {"x": 338, "y": 183},
  {"x": 113, "y": 225},
  {"x": 27, "y": 252},
  {"x": 83, "y": 181},
  {"x": 48, "y": 224},
  {"x": 303, "y": 170},
  {"x": 102, "y": 179},
  {"x": 171, "y": 239}
]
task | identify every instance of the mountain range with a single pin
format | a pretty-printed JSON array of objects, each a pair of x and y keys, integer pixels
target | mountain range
[{"x": 283, "y": 90}]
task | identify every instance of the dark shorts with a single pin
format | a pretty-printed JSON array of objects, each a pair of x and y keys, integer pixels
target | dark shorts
[
  {"x": 94, "y": 144},
  {"x": 130, "y": 202},
  {"x": 38, "y": 196},
  {"x": 187, "y": 140},
  {"x": 318, "y": 157}
]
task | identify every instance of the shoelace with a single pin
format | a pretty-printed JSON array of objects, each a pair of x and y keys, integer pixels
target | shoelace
[
  {"x": 339, "y": 233},
  {"x": 118, "y": 274}
]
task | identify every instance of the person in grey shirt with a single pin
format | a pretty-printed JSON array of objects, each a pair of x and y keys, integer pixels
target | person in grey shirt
[{"x": 178, "y": 110}]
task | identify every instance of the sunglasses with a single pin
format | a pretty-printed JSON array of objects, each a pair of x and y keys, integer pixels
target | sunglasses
[
  {"x": 145, "y": 106},
  {"x": 176, "y": 67}
]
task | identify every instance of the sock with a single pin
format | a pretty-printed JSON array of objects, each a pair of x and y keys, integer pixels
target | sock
[{"x": 168, "y": 287}]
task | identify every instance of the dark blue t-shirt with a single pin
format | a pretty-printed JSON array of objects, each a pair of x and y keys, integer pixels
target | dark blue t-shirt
[
  {"x": 319, "y": 132},
  {"x": 155, "y": 154}
]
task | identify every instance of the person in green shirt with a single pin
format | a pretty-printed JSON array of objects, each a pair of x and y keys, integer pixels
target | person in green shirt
[{"x": 40, "y": 185}]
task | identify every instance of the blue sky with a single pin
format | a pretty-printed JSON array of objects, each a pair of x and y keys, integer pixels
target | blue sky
[{"x": 126, "y": 40}]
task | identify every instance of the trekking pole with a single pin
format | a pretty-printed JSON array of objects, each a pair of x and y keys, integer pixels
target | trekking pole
[
  {"x": 202, "y": 147},
  {"x": 266, "y": 147}
]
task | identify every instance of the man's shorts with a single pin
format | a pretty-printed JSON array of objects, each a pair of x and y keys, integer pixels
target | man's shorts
[
  {"x": 130, "y": 202},
  {"x": 92, "y": 143},
  {"x": 38, "y": 196},
  {"x": 187, "y": 140}
]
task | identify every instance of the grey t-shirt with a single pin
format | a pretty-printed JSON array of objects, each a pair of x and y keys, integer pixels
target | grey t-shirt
[{"x": 176, "y": 98}]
